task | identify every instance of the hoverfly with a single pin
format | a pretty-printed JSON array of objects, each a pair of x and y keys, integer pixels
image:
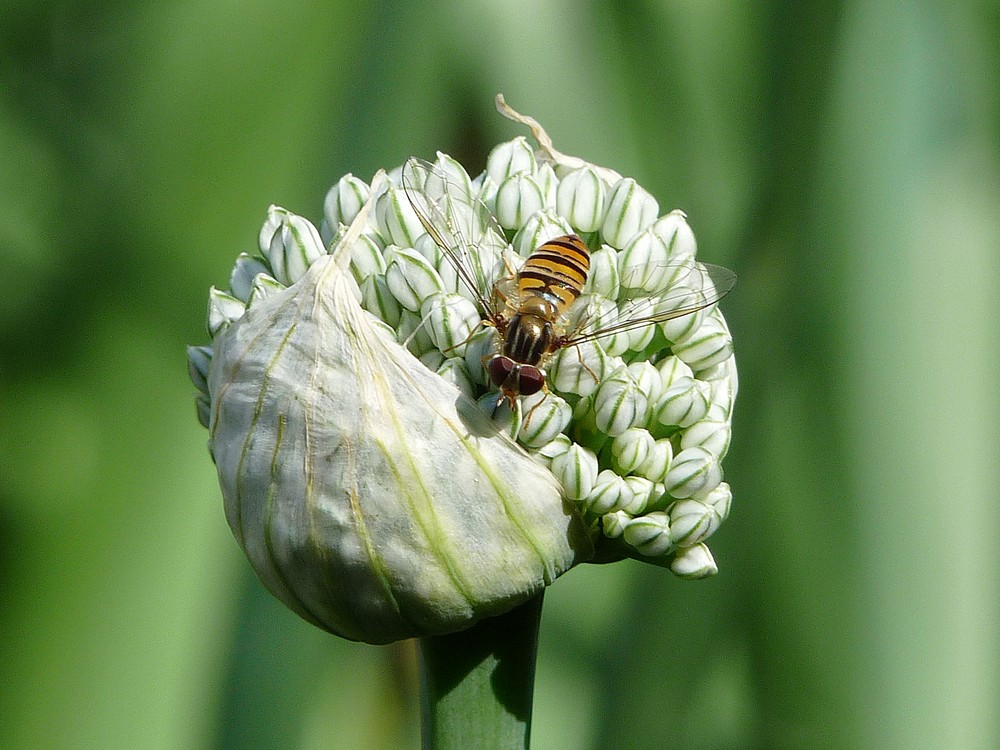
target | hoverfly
[{"x": 534, "y": 308}]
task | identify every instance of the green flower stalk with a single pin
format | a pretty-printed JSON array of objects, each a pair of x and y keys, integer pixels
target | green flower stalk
[{"x": 369, "y": 470}]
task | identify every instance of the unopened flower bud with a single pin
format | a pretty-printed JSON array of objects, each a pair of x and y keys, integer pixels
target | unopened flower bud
[
  {"x": 518, "y": 198},
  {"x": 223, "y": 309},
  {"x": 367, "y": 258},
  {"x": 580, "y": 198},
  {"x": 673, "y": 229},
  {"x": 619, "y": 404},
  {"x": 343, "y": 201},
  {"x": 693, "y": 471},
  {"x": 411, "y": 278},
  {"x": 711, "y": 345},
  {"x": 245, "y": 271},
  {"x": 603, "y": 279},
  {"x": 711, "y": 435},
  {"x": 378, "y": 299},
  {"x": 642, "y": 264},
  {"x": 546, "y": 178},
  {"x": 720, "y": 499},
  {"x": 692, "y": 522},
  {"x": 578, "y": 369},
  {"x": 694, "y": 562},
  {"x": 540, "y": 227},
  {"x": 643, "y": 491},
  {"x": 199, "y": 360},
  {"x": 657, "y": 463},
  {"x": 293, "y": 246},
  {"x": 610, "y": 493},
  {"x": 450, "y": 320},
  {"x": 576, "y": 470},
  {"x": 649, "y": 534},
  {"x": 513, "y": 157},
  {"x": 615, "y": 523},
  {"x": 397, "y": 217},
  {"x": 630, "y": 209},
  {"x": 555, "y": 447},
  {"x": 631, "y": 449},
  {"x": 547, "y": 415},
  {"x": 683, "y": 403}
]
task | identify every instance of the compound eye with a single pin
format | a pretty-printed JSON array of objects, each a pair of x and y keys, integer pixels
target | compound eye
[
  {"x": 529, "y": 380},
  {"x": 499, "y": 369}
]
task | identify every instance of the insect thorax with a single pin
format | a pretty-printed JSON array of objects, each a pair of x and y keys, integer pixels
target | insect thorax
[{"x": 529, "y": 337}]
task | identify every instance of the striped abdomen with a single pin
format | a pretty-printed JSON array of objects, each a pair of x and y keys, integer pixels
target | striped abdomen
[{"x": 556, "y": 271}]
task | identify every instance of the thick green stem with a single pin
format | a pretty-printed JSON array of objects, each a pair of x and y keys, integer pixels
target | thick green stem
[{"x": 476, "y": 686}]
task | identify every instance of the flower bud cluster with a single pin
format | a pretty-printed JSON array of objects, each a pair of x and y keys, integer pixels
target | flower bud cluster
[{"x": 633, "y": 425}]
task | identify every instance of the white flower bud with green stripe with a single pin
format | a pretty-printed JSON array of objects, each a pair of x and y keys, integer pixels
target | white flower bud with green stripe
[
  {"x": 644, "y": 492},
  {"x": 674, "y": 232},
  {"x": 631, "y": 449},
  {"x": 546, "y": 178},
  {"x": 630, "y": 209},
  {"x": 378, "y": 299},
  {"x": 642, "y": 264},
  {"x": 199, "y": 360},
  {"x": 619, "y": 403},
  {"x": 650, "y": 534},
  {"x": 397, "y": 220},
  {"x": 658, "y": 461},
  {"x": 546, "y": 415},
  {"x": 692, "y": 522},
  {"x": 264, "y": 285},
  {"x": 342, "y": 203},
  {"x": 709, "y": 346},
  {"x": 693, "y": 563},
  {"x": 510, "y": 158},
  {"x": 576, "y": 470},
  {"x": 603, "y": 279},
  {"x": 410, "y": 277},
  {"x": 292, "y": 247},
  {"x": 615, "y": 523},
  {"x": 713, "y": 436},
  {"x": 683, "y": 403},
  {"x": 540, "y": 227},
  {"x": 580, "y": 198},
  {"x": 720, "y": 499},
  {"x": 578, "y": 370},
  {"x": 672, "y": 369},
  {"x": 648, "y": 379},
  {"x": 223, "y": 309},
  {"x": 367, "y": 258},
  {"x": 610, "y": 493},
  {"x": 450, "y": 319},
  {"x": 555, "y": 447},
  {"x": 693, "y": 471},
  {"x": 244, "y": 273},
  {"x": 518, "y": 198}
]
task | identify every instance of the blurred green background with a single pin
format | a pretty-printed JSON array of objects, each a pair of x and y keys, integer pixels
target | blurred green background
[{"x": 842, "y": 157}]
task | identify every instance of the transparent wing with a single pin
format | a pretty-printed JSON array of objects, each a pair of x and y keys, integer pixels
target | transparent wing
[
  {"x": 686, "y": 287},
  {"x": 460, "y": 224}
]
